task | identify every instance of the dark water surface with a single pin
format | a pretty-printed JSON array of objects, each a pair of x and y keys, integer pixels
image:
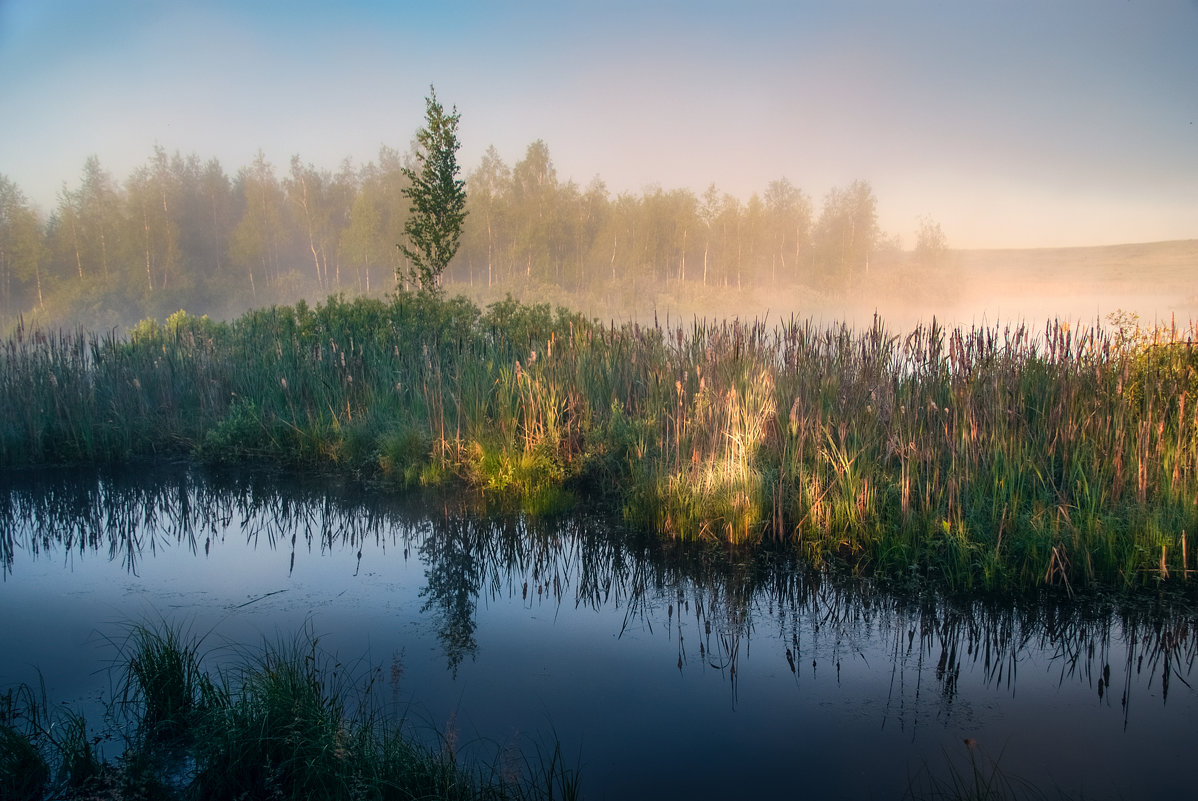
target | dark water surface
[{"x": 665, "y": 671}]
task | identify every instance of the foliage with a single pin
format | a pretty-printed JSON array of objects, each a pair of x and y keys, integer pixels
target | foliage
[
  {"x": 931, "y": 245},
  {"x": 179, "y": 232},
  {"x": 438, "y": 196}
]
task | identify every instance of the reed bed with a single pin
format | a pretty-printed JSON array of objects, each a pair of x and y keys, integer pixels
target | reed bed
[{"x": 990, "y": 458}]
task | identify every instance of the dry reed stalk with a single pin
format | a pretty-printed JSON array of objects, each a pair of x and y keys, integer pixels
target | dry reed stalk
[{"x": 1058, "y": 565}]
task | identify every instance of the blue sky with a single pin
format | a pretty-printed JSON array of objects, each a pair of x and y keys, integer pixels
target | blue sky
[{"x": 1012, "y": 123}]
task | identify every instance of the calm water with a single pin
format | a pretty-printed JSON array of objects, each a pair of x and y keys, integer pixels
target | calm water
[{"x": 666, "y": 672}]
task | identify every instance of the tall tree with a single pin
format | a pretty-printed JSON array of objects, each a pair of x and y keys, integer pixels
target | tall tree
[
  {"x": 437, "y": 195},
  {"x": 750, "y": 237},
  {"x": 218, "y": 220},
  {"x": 534, "y": 193},
  {"x": 789, "y": 225},
  {"x": 709, "y": 212},
  {"x": 731, "y": 219},
  {"x": 361, "y": 238},
  {"x": 594, "y": 211},
  {"x": 20, "y": 250},
  {"x": 66, "y": 225},
  {"x": 154, "y": 190},
  {"x": 488, "y": 184},
  {"x": 307, "y": 189},
  {"x": 930, "y": 243},
  {"x": 257, "y": 237},
  {"x": 99, "y": 217},
  {"x": 847, "y": 232}
]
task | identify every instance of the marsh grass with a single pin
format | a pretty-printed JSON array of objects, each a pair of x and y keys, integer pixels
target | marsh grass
[
  {"x": 989, "y": 458},
  {"x": 162, "y": 681},
  {"x": 46, "y": 750},
  {"x": 285, "y": 721},
  {"x": 24, "y": 770}
]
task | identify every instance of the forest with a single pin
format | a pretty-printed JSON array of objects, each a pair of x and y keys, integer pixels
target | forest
[{"x": 181, "y": 233}]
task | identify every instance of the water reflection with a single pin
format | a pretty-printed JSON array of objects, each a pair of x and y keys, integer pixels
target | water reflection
[
  {"x": 716, "y": 602},
  {"x": 453, "y": 581},
  {"x": 756, "y": 624}
]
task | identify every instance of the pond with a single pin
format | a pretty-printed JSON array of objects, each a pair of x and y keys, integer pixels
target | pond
[{"x": 664, "y": 670}]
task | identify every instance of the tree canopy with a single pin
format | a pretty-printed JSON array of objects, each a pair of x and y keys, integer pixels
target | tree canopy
[
  {"x": 438, "y": 197},
  {"x": 179, "y": 232}
]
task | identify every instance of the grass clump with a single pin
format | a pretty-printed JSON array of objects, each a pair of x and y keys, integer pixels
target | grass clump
[
  {"x": 24, "y": 770},
  {"x": 281, "y": 729},
  {"x": 163, "y": 681},
  {"x": 287, "y": 721}
]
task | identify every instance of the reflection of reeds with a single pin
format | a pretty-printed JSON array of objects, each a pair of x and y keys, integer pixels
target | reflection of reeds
[
  {"x": 718, "y": 599},
  {"x": 993, "y": 458},
  {"x": 982, "y": 780}
]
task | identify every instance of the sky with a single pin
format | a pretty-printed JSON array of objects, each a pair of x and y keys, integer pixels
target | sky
[{"x": 1011, "y": 123}]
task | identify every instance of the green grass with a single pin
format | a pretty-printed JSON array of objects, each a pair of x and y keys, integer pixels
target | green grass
[
  {"x": 285, "y": 721},
  {"x": 161, "y": 679},
  {"x": 24, "y": 769},
  {"x": 988, "y": 458}
]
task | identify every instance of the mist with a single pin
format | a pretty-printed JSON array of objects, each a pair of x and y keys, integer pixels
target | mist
[{"x": 179, "y": 232}]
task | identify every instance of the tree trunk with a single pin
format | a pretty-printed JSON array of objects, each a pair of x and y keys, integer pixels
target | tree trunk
[
  {"x": 706, "y": 248},
  {"x": 490, "y": 239},
  {"x": 75, "y": 239},
  {"x": 682, "y": 262},
  {"x": 145, "y": 221},
  {"x": 614, "y": 240},
  {"x": 103, "y": 252}
]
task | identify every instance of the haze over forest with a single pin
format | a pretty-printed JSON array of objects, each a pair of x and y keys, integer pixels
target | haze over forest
[
  {"x": 765, "y": 157},
  {"x": 180, "y": 232}
]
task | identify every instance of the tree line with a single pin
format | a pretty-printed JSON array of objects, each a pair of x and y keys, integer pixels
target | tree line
[{"x": 180, "y": 232}]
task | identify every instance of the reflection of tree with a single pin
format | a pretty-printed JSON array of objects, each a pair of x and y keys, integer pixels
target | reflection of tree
[
  {"x": 713, "y": 601},
  {"x": 452, "y": 586}
]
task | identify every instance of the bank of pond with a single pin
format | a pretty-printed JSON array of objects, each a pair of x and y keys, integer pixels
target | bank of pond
[
  {"x": 173, "y": 630},
  {"x": 995, "y": 458}
]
